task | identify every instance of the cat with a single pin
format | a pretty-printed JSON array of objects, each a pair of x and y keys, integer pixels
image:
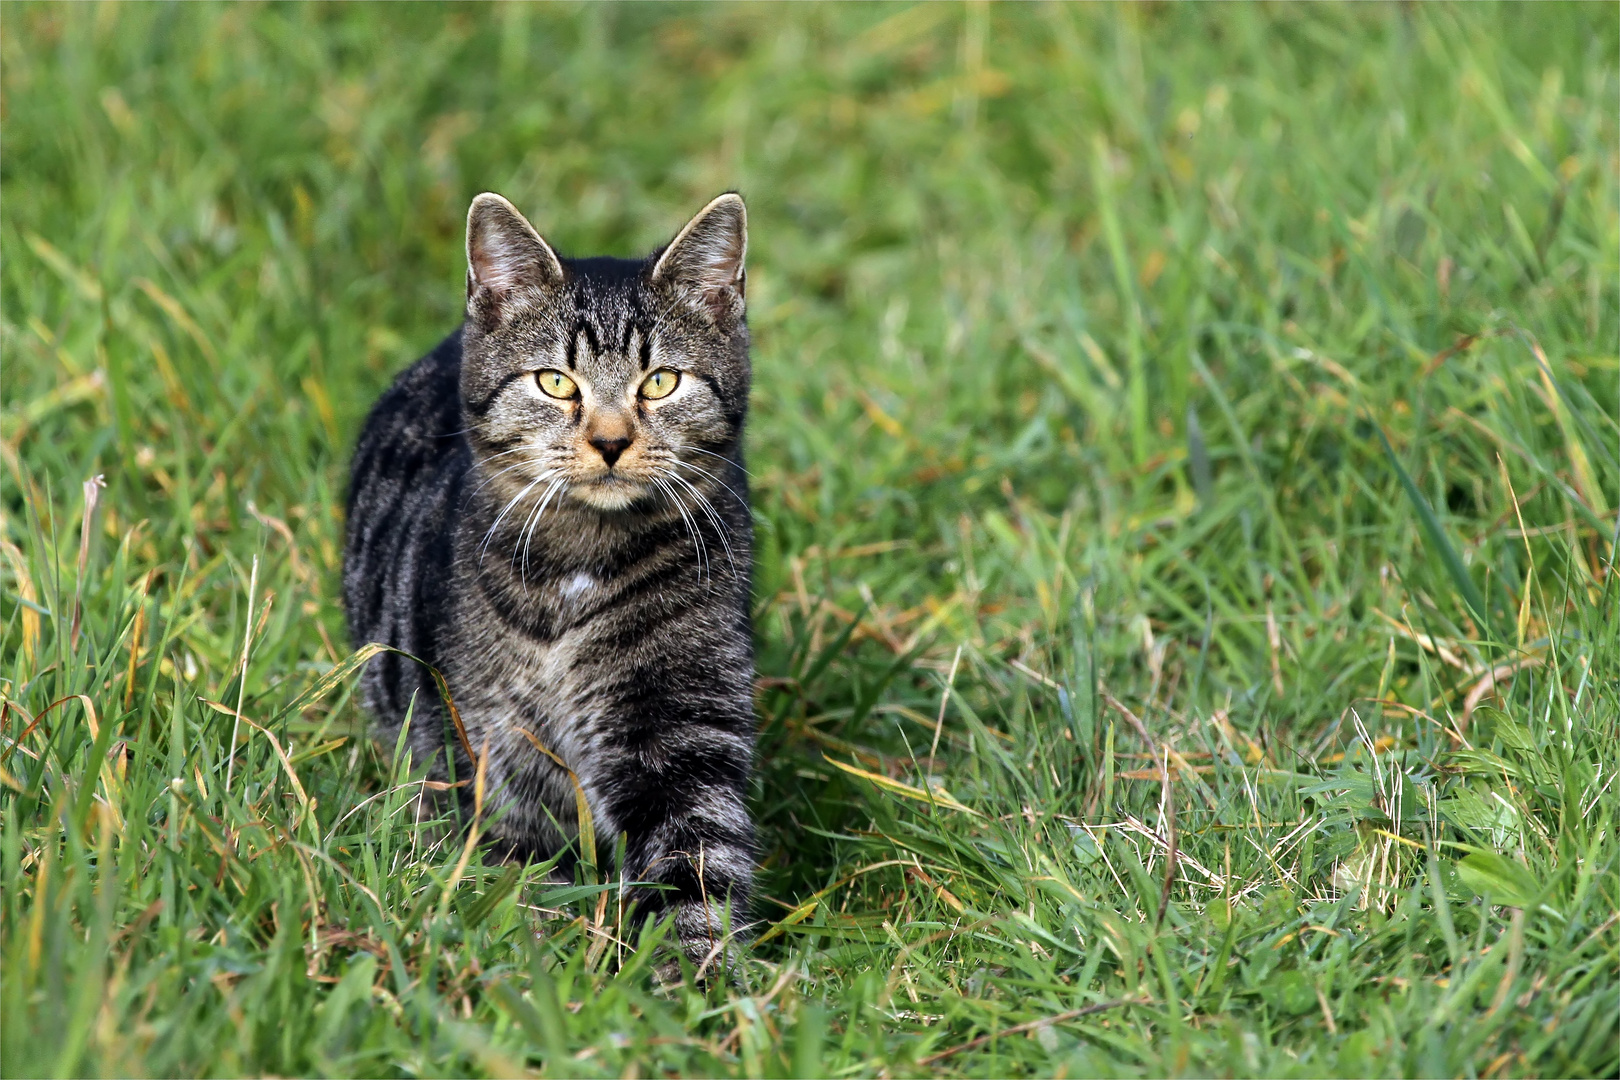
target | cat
[{"x": 551, "y": 508}]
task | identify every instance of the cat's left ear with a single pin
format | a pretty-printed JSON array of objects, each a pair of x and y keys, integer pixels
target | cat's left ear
[{"x": 705, "y": 261}]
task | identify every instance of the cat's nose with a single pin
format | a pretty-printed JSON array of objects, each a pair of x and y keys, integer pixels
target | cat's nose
[{"x": 610, "y": 449}]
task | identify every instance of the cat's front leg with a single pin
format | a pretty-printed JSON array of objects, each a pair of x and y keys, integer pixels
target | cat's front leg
[{"x": 679, "y": 796}]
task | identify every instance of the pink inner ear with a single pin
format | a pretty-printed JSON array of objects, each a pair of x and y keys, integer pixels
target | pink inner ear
[
  {"x": 496, "y": 266},
  {"x": 718, "y": 301},
  {"x": 708, "y": 254},
  {"x": 713, "y": 262}
]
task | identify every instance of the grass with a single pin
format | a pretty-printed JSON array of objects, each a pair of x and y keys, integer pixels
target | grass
[{"x": 1186, "y": 466}]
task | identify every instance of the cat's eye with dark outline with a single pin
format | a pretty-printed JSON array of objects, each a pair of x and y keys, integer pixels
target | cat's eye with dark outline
[
  {"x": 660, "y": 384},
  {"x": 554, "y": 383}
]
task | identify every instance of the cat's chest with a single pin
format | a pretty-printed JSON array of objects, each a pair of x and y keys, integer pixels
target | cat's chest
[
  {"x": 542, "y": 664},
  {"x": 575, "y": 591}
]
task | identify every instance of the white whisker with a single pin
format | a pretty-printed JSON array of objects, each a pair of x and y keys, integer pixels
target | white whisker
[
  {"x": 508, "y": 453},
  {"x": 714, "y": 519},
  {"x": 488, "y": 480},
  {"x": 695, "y": 528},
  {"x": 691, "y": 528},
  {"x": 484, "y": 550},
  {"x": 523, "y": 534},
  {"x": 722, "y": 457},
  {"x": 528, "y": 531},
  {"x": 742, "y": 501}
]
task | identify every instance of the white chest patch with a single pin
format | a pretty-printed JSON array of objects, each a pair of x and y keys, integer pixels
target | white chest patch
[{"x": 577, "y": 586}]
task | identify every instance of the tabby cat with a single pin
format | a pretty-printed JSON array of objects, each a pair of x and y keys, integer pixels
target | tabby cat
[{"x": 551, "y": 508}]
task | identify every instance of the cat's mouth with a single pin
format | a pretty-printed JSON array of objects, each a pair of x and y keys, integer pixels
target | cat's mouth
[{"x": 610, "y": 490}]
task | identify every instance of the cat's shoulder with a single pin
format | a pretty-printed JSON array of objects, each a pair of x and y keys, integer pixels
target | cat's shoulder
[
  {"x": 428, "y": 390},
  {"x": 422, "y": 408},
  {"x": 435, "y": 379}
]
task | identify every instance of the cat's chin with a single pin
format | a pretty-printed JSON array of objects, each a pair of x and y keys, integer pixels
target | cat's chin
[{"x": 608, "y": 494}]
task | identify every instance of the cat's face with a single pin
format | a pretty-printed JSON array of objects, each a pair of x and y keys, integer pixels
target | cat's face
[{"x": 603, "y": 382}]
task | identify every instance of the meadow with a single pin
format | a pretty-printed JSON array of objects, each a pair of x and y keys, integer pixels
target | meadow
[{"x": 1185, "y": 455}]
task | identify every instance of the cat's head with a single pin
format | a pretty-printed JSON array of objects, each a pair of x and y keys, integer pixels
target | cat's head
[{"x": 606, "y": 382}]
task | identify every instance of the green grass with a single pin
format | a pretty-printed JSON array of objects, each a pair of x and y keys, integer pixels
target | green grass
[{"x": 1251, "y": 372}]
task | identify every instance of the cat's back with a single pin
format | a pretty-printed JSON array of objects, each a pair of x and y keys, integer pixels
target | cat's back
[
  {"x": 414, "y": 425},
  {"x": 405, "y": 483}
]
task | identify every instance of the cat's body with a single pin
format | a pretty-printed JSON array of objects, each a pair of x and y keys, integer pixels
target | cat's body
[{"x": 551, "y": 509}]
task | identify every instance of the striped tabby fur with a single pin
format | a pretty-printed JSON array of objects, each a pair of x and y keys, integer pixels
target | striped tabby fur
[{"x": 577, "y": 568}]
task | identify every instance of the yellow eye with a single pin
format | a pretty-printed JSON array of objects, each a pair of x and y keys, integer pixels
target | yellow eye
[
  {"x": 556, "y": 384},
  {"x": 660, "y": 384}
]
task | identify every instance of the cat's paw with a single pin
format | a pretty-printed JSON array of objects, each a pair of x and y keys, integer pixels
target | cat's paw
[
  {"x": 710, "y": 948},
  {"x": 723, "y": 965}
]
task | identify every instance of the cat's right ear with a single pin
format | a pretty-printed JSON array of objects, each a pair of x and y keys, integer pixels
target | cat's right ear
[{"x": 508, "y": 263}]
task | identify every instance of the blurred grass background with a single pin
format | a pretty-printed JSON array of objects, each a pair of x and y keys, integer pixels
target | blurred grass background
[{"x": 1185, "y": 459}]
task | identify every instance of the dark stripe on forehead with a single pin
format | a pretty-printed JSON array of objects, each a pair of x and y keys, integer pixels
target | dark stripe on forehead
[
  {"x": 646, "y": 350},
  {"x": 591, "y": 337}
]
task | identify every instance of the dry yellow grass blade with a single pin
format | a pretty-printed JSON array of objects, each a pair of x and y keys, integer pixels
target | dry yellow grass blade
[
  {"x": 582, "y": 805},
  {"x": 25, "y": 590},
  {"x": 936, "y": 795},
  {"x": 1585, "y": 482}
]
